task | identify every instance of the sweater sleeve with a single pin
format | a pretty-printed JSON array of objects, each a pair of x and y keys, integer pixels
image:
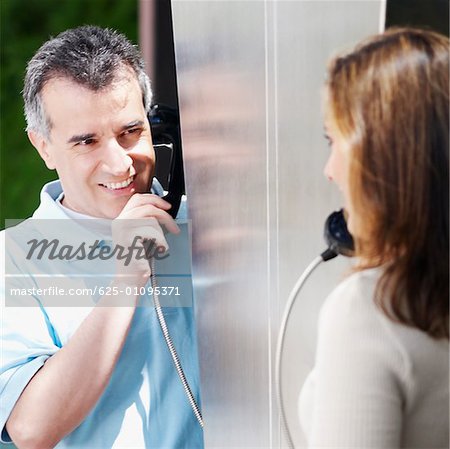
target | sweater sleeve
[{"x": 357, "y": 400}]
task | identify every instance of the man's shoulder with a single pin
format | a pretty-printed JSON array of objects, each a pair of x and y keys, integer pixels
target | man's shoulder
[
  {"x": 15, "y": 241},
  {"x": 19, "y": 232}
]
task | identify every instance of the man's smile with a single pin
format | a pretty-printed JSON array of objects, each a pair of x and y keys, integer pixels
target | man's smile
[{"x": 118, "y": 185}]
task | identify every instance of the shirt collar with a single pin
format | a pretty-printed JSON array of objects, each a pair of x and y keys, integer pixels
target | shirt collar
[{"x": 75, "y": 231}]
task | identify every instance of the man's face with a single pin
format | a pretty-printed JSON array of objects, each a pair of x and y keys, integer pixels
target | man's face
[{"x": 100, "y": 143}]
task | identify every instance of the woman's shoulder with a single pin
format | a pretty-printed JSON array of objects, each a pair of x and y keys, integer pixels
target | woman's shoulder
[
  {"x": 353, "y": 298},
  {"x": 350, "y": 318}
]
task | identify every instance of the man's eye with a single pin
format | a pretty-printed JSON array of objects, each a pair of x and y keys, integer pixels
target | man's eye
[
  {"x": 132, "y": 131},
  {"x": 129, "y": 137},
  {"x": 86, "y": 142}
]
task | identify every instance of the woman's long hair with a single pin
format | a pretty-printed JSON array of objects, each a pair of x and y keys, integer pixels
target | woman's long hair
[{"x": 389, "y": 100}]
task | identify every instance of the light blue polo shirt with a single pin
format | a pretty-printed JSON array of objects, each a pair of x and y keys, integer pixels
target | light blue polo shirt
[{"x": 144, "y": 404}]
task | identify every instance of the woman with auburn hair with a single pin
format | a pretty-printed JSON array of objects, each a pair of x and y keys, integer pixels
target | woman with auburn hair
[{"x": 381, "y": 375}]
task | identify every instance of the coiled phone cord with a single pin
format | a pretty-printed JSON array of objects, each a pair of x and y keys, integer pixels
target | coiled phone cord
[{"x": 170, "y": 345}]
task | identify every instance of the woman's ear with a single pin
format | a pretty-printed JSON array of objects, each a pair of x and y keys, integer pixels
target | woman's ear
[{"x": 41, "y": 144}]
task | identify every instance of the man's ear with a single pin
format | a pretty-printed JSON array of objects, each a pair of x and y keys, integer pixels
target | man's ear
[{"x": 41, "y": 144}]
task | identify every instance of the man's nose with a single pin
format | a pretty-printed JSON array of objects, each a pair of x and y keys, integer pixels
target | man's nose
[{"x": 117, "y": 158}]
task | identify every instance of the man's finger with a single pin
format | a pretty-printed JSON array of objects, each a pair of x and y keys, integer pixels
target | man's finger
[
  {"x": 139, "y": 199},
  {"x": 152, "y": 211}
]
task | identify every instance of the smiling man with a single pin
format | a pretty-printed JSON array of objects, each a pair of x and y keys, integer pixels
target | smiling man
[{"x": 98, "y": 376}]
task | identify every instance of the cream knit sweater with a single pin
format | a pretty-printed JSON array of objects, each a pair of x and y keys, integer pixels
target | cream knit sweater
[{"x": 376, "y": 383}]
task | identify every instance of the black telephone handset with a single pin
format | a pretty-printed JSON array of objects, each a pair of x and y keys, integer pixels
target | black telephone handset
[
  {"x": 337, "y": 236},
  {"x": 165, "y": 126}
]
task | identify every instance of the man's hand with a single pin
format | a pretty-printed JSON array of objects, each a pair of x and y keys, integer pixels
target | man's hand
[{"x": 141, "y": 219}]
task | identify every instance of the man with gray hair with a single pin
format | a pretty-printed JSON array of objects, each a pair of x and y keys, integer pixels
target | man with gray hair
[{"x": 98, "y": 376}]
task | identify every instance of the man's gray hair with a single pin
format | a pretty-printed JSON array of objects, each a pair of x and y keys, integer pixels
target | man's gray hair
[{"x": 90, "y": 56}]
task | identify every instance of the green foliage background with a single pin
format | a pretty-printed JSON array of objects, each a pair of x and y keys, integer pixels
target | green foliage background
[{"x": 24, "y": 26}]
